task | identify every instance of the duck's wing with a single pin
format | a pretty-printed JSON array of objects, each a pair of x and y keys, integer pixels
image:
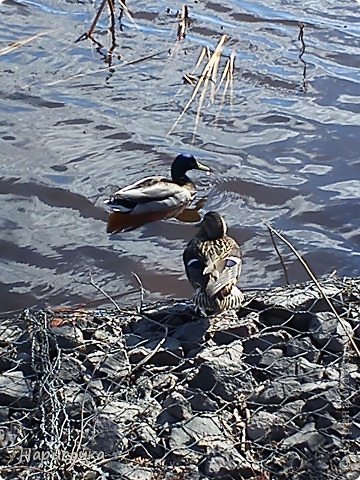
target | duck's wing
[
  {"x": 145, "y": 189},
  {"x": 155, "y": 190},
  {"x": 223, "y": 274},
  {"x": 213, "y": 266},
  {"x": 195, "y": 264}
]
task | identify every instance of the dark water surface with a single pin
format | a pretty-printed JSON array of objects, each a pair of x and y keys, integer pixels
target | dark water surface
[{"x": 284, "y": 150}]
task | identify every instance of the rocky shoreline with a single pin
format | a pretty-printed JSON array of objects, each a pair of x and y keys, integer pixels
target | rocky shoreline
[{"x": 271, "y": 393}]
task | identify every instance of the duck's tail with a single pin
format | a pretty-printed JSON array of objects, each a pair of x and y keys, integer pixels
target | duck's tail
[{"x": 232, "y": 301}]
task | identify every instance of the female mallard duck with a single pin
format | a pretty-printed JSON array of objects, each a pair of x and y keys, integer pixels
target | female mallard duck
[
  {"x": 213, "y": 265},
  {"x": 156, "y": 194}
]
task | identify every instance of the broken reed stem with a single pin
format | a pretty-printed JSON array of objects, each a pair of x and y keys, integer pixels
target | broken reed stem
[
  {"x": 301, "y": 39},
  {"x": 314, "y": 279},
  {"x": 302, "y": 51},
  {"x": 204, "y": 75},
  {"x": 104, "y": 293},
  {"x": 112, "y": 25},
  {"x": 96, "y": 19},
  {"x": 184, "y": 18},
  {"x": 279, "y": 255},
  {"x": 21, "y": 43},
  {"x": 106, "y": 69},
  {"x": 126, "y": 10},
  {"x": 142, "y": 291}
]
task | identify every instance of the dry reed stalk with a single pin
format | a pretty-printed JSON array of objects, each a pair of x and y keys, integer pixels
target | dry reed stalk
[
  {"x": 314, "y": 279},
  {"x": 21, "y": 43},
  {"x": 183, "y": 23},
  {"x": 207, "y": 71},
  {"x": 126, "y": 10},
  {"x": 106, "y": 69},
  {"x": 228, "y": 72},
  {"x": 279, "y": 255},
  {"x": 302, "y": 51}
]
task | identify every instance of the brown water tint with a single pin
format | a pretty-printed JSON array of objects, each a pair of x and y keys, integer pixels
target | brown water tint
[{"x": 284, "y": 149}]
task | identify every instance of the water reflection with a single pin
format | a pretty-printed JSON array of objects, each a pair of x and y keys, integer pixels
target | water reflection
[{"x": 124, "y": 222}]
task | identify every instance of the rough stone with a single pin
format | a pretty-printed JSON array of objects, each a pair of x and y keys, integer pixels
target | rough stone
[
  {"x": 226, "y": 328},
  {"x": 277, "y": 392},
  {"x": 228, "y": 464},
  {"x": 265, "y": 341},
  {"x": 68, "y": 336},
  {"x": 307, "y": 437},
  {"x": 204, "y": 428},
  {"x": 201, "y": 402},
  {"x": 302, "y": 347},
  {"x": 128, "y": 472},
  {"x": 15, "y": 390},
  {"x": 191, "y": 335},
  {"x": 178, "y": 406},
  {"x": 328, "y": 333},
  {"x": 269, "y": 357},
  {"x": 108, "y": 437},
  {"x": 260, "y": 426},
  {"x": 107, "y": 364},
  {"x": 168, "y": 354}
]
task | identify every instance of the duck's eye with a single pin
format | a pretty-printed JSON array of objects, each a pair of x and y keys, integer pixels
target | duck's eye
[
  {"x": 230, "y": 263},
  {"x": 195, "y": 264}
]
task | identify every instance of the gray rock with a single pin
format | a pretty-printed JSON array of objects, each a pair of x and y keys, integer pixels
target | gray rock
[
  {"x": 269, "y": 357},
  {"x": 15, "y": 390},
  {"x": 112, "y": 365},
  {"x": 68, "y": 336},
  {"x": 308, "y": 437},
  {"x": 227, "y": 327},
  {"x": 71, "y": 369},
  {"x": 260, "y": 426},
  {"x": 277, "y": 392},
  {"x": 191, "y": 334},
  {"x": 226, "y": 358},
  {"x": 168, "y": 354},
  {"x": 322, "y": 397},
  {"x": 266, "y": 341},
  {"x": 328, "y": 333},
  {"x": 108, "y": 436},
  {"x": 223, "y": 372},
  {"x": 79, "y": 401},
  {"x": 177, "y": 406},
  {"x": 228, "y": 464},
  {"x": 302, "y": 347},
  {"x": 201, "y": 402},
  {"x": 199, "y": 431},
  {"x": 265, "y": 427},
  {"x": 125, "y": 471}
]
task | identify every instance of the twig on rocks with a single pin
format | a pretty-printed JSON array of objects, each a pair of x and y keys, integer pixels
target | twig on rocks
[
  {"x": 279, "y": 255},
  {"x": 104, "y": 293},
  {"x": 314, "y": 279},
  {"x": 142, "y": 291}
]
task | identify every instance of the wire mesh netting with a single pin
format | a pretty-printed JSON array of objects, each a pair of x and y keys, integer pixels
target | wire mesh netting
[{"x": 270, "y": 393}]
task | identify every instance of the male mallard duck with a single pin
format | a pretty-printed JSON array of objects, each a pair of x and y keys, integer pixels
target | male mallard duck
[
  {"x": 155, "y": 194},
  {"x": 213, "y": 264}
]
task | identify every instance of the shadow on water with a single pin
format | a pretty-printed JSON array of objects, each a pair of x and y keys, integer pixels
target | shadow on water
[{"x": 125, "y": 222}]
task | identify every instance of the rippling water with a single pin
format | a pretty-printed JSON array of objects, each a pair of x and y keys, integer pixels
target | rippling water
[{"x": 284, "y": 148}]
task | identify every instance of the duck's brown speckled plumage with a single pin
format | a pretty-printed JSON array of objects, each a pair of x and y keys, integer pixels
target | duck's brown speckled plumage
[{"x": 213, "y": 264}]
